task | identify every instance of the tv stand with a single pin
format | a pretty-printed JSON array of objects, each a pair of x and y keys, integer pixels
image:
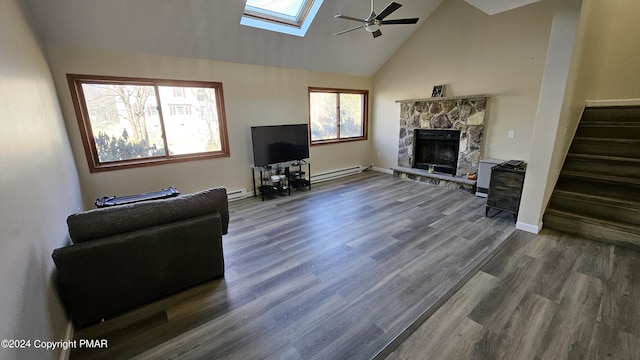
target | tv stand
[{"x": 278, "y": 179}]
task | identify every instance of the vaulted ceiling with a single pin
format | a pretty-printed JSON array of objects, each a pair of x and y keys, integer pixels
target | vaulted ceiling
[{"x": 210, "y": 29}]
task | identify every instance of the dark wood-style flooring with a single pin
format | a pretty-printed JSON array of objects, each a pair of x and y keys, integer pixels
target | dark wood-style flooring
[
  {"x": 349, "y": 269},
  {"x": 548, "y": 296}
]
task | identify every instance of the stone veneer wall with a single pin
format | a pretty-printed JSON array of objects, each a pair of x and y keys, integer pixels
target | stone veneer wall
[{"x": 464, "y": 113}]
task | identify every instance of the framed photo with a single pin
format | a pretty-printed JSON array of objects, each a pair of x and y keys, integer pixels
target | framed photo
[{"x": 438, "y": 91}]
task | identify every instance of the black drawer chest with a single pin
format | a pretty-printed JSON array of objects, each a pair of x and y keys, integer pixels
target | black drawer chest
[{"x": 505, "y": 188}]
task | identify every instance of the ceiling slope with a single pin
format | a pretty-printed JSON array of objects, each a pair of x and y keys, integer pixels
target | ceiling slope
[{"x": 210, "y": 29}]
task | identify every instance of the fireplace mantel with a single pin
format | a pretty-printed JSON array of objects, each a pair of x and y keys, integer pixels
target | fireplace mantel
[{"x": 433, "y": 99}]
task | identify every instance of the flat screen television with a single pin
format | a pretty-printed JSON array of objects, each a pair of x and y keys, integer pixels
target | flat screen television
[{"x": 279, "y": 143}]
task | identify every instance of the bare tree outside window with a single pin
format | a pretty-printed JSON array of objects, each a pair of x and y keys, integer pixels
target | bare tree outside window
[
  {"x": 132, "y": 122},
  {"x": 118, "y": 119}
]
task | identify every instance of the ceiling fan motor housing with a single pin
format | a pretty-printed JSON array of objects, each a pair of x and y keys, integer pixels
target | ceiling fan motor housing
[
  {"x": 372, "y": 24},
  {"x": 374, "y": 21}
]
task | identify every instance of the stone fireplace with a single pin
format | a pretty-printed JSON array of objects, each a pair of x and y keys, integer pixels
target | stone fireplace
[{"x": 451, "y": 121}]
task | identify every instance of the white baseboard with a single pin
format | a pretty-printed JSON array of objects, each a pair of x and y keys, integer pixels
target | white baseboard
[
  {"x": 68, "y": 337},
  {"x": 382, "y": 170},
  {"x": 528, "y": 227},
  {"x": 617, "y": 102}
]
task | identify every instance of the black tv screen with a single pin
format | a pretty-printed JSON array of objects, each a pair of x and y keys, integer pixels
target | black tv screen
[{"x": 279, "y": 143}]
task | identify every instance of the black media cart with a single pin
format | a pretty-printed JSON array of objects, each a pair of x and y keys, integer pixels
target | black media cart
[{"x": 278, "y": 179}]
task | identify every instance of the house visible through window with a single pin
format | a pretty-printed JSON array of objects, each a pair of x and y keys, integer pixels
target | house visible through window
[
  {"x": 127, "y": 122},
  {"x": 337, "y": 115},
  {"x": 180, "y": 109},
  {"x": 286, "y": 16},
  {"x": 151, "y": 110}
]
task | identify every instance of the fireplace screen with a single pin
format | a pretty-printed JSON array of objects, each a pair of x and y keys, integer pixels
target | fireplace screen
[{"x": 437, "y": 148}]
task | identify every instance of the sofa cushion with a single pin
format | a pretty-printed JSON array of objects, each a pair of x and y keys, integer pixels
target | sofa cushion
[{"x": 109, "y": 221}]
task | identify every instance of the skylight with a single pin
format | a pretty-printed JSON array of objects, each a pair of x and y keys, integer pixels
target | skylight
[
  {"x": 284, "y": 7},
  {"x": 285, "y": 16}
]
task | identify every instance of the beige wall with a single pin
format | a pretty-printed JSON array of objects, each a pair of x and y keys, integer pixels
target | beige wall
[
  {"x": 611, "y": 68},
  {"x": 558, "y": 107},
  {"x": 254, "y": 95},
  {"x": 470, "y": 53},
  {"x": 39, "y": 189}
]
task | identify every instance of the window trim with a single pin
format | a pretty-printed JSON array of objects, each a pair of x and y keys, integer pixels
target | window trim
[
  {"x": 75, "y": 82},
  {"x": 365, "y": 115}
]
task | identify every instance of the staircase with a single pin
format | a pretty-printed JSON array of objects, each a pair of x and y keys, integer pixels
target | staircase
[{"x": 598, "y": 192}]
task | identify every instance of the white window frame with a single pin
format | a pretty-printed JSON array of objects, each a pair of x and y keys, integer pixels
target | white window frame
[{"x": 273, "y": 21}]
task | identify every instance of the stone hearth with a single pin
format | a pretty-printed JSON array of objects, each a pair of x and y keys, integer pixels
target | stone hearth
[{"x": 445, "y": 181}]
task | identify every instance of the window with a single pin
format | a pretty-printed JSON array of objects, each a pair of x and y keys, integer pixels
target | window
[
  {"x": 129, "y": 122},
  {"x": 337, "y": 115},
  {"x": 291, "y": 17}
]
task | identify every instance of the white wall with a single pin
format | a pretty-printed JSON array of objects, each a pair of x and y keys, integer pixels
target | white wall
[
  {"x": 39, "y": 186},
  {"x": 470, "y": 53},
  {"x": 254, "y": 95},
  {"x": 555, "y": 110}
]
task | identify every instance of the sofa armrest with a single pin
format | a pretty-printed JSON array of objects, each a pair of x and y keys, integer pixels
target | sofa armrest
[{"x": 103, "y": 277}]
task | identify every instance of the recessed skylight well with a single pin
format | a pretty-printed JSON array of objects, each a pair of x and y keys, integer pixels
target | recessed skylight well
[
  {"x": 283, "y": 7},
  {"x": 285, "y": 16}
]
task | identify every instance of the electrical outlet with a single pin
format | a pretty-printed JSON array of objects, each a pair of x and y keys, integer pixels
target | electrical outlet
[{"x": 512, "y": 134}]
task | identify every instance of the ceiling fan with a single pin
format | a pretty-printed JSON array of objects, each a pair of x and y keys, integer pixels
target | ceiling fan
[{"x": 373, "y": 23}]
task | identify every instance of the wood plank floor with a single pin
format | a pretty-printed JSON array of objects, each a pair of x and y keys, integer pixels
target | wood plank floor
[
  {"x": 338, "y": 272},
  {"x": 547, "y": 296}
]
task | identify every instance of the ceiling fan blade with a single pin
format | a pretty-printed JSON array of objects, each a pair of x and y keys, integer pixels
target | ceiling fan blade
[
  {"x": 377, "y": 33},
  {"x": 348, "y": 18},
  {"x": 393, "y": 6},
  {"x": 400, "y": 21},
  {"x": 346, "y": 31}
]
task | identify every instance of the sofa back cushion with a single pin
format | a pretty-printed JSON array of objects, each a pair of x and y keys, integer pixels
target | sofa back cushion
[{"x": 109, "y": 221}]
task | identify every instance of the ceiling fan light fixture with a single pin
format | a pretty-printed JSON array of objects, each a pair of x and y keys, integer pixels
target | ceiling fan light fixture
[{"x": 372, "y": 27}]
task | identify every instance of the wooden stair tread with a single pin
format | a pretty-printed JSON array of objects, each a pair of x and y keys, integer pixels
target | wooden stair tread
[
  {"x": 607, "y": 124},
  {"x": 597, "y": 195},
  {"x": 620, "y": 180},
  {"x": 582, "y": 156},
  {"x": 621, "y": 227},
  {"x": 596, "y": 199},
  {"x": 624, "y": 113},
  {"x": 607, "y": 140}
]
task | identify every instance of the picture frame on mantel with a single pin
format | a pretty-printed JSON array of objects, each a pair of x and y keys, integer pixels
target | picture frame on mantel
[{"x": 438, "y": 91}]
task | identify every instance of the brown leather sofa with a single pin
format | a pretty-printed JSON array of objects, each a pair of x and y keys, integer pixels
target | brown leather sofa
[{"x": 125, "y": 256}]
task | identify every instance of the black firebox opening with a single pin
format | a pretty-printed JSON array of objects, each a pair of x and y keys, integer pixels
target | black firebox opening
[{"x": 437, "y": 148}]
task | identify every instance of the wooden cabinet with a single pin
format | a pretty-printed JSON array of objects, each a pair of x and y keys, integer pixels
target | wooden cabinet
[{"x": 505, "y": 189}]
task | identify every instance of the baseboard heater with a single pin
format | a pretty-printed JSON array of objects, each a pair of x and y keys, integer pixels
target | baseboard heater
[
  {"x": 237, "y": 194},
  {"x": 330, "y": 175}
]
